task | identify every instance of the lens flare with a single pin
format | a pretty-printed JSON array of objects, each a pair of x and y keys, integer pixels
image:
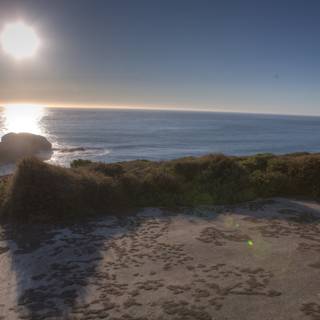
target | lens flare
[{"x": 250, "y": 243}]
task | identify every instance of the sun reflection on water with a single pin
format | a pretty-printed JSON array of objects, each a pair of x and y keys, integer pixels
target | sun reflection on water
[{"x": 22, "y": 118}]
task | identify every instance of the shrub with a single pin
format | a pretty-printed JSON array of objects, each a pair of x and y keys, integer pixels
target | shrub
[
  {"x": 224, "y": 179},
  {"x": 80, "y": 163},
  {"x": 43, "y": 192},
  {"x": 112, "y": 169},
  {"x": 306, "y": 175},
  {"x": 189, "y": 168},
  {"x": 257, "y": 162},
  {"x": 161, "y": 188}
]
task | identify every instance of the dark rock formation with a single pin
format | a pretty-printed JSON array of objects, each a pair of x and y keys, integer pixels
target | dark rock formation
[
  {"x": 14, "y": 146},
  {"x": 67, "y": 150}
]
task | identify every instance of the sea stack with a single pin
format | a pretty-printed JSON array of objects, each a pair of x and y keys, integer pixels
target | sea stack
[{"x": 14, "y": 146}]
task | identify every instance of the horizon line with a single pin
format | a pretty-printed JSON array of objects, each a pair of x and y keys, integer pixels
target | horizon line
[{"x": 148, "y": 108}]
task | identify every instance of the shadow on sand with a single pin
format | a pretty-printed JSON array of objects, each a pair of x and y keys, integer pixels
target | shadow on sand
[
  {"x": 51, "y": 267},
  {"x": 49, "y": 272}
]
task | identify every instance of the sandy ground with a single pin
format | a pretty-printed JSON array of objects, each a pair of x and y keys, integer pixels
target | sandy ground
[{"x": 260, "y": 261}]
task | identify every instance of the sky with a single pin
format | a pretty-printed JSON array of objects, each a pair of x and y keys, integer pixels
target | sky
[{"x": 257, "y": 56}]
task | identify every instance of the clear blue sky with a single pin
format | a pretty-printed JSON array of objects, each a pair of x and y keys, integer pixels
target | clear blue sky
[{"x": 256, "y": 56}]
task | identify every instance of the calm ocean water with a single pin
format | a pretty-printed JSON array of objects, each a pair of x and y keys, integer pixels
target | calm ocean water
[{"x": 117, "y": 135}]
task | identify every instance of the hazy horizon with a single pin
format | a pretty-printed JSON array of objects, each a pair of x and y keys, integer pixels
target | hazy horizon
[
  {"x": 148, "y": 108},
  {"x": 251, "y": 57}
]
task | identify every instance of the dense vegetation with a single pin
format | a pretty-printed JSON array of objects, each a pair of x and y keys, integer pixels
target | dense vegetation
[{"x": 42, "y": 192}]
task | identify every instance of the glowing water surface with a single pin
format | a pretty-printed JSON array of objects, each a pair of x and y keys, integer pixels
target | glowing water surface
[{"x": 22, "y": 118}]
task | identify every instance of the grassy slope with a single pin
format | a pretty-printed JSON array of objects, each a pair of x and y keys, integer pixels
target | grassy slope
[{"x": 39, "y": 191}]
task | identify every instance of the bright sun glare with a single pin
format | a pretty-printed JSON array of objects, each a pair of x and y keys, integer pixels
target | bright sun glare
[
  {"x": 19, "y": 40},
  {"x": 23, "y": 118}
]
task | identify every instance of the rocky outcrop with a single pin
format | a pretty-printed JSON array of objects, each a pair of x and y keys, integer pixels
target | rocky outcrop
[{"x": 14, "y": 146}]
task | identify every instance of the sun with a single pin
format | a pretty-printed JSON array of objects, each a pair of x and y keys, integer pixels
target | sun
[{"x": 19, "y": 40}]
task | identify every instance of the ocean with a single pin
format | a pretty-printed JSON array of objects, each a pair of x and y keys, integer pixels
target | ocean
[{"x": 111, "y": 135}]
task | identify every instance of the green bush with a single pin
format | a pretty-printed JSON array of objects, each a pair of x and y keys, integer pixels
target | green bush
[
  {"x": 112, "y": 169},
  {"x": 80, "y": 163},
  {"x": 189, "y": 168},
  {"x": 42, "y": 192},
  {"x": 257, "y": 162}
]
